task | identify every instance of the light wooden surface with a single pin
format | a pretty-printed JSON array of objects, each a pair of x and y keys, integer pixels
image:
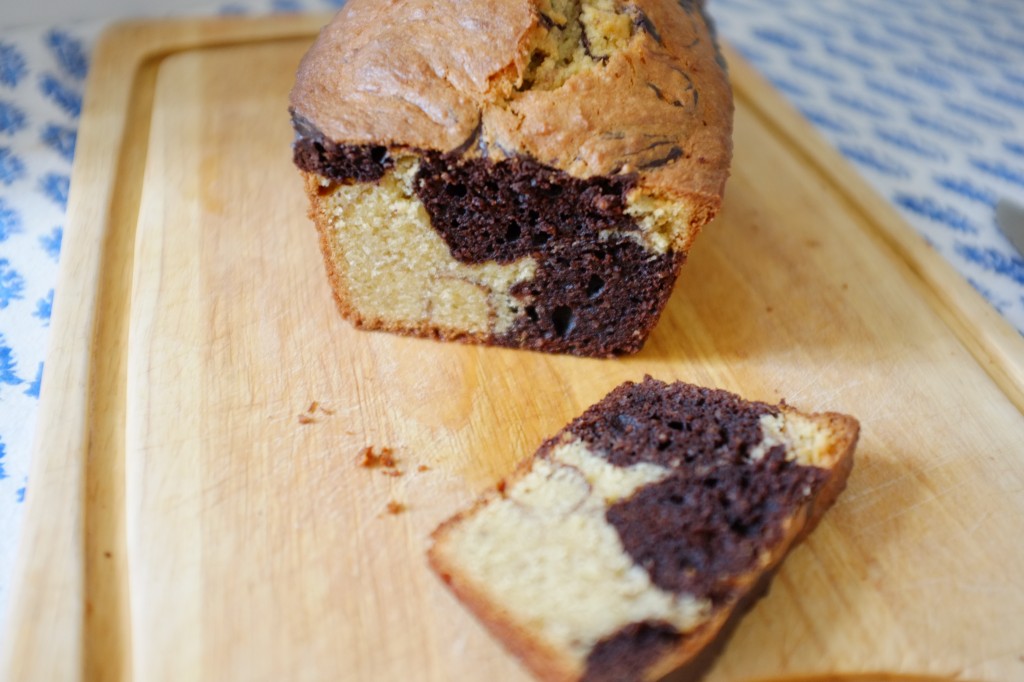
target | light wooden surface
[{"x": 191, "y": 518}]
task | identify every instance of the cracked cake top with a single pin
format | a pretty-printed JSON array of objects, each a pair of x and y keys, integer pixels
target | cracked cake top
[{"x": 590, "y": 87}]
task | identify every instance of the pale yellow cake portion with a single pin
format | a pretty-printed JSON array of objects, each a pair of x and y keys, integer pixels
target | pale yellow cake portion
[{"x": 398, "y": 267}]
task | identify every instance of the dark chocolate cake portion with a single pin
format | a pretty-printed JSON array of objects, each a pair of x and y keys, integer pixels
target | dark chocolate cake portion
[
  {"x": 511, "y": 208},
  {"x": 313, "y": 152},
  {"x": 718, "y": 510},
  {"x": 697, "y": 530},
  {"x": 662, "y": 423},
  {"x": 575, "y": 302},
  {"x": 633, "y": 648},
  {"x": 589, "y": 265}
]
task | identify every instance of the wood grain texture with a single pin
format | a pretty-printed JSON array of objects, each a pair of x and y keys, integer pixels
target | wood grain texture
[{"x": 193, "y": 515}]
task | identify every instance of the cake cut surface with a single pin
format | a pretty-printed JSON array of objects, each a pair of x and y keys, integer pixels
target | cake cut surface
[
  {"x": 630, "y": 544},
  {"x": 528, "y": 173}
]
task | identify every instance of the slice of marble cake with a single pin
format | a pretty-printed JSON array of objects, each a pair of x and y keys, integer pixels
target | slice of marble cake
[{"x": 630, "y": 544}]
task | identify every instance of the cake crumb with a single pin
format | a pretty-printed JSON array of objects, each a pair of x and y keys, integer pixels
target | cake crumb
[
  {"x": 395, "y": 507},
  {"x": 372, "y": 459},
  {"x": 423, "y": 467},
  {"x": 382, "y": 458},
  {"x": 309, "y": 416}
]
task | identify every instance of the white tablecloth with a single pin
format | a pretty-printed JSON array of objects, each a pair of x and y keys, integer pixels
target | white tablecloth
[{"x": 925, "y": 98}]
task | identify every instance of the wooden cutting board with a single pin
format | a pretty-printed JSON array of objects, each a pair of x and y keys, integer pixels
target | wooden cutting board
[{"x": 196, "y": 509}]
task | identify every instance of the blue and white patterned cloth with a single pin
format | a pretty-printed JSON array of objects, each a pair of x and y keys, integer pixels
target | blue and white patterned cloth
[
  {"x": 41, "y": 77},
  {"x": 924, "y": 97}
]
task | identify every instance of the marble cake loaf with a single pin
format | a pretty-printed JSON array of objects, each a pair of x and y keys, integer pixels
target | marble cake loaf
[
  {"x": 523, "y": 173},
  {"x": 632, "y": 542}
]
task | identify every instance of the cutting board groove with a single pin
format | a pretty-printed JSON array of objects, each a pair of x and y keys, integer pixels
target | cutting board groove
[{"x": 191, "y": 517}]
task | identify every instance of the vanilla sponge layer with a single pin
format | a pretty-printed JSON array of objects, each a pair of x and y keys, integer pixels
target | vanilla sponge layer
[{"x": 398, "y": 271}]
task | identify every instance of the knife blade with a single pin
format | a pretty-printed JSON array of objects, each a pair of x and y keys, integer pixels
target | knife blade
[{"x": 1010, "y": 218}]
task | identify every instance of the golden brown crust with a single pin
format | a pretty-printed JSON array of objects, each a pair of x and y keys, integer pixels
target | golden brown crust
[
  {"x": 429, "y": 74},
  {"x": 410, "y": 73},
  {"x": 699, "y": 648}
]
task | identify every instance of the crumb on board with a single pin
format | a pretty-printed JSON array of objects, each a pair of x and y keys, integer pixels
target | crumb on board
[
  {"x": 395, "y": 507},
  {"x": 377, "y": 458},
  {"x": 423, "y": 467},
  {"x": 309, "y": 416},
  {"x": 382, "y": 458}
]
